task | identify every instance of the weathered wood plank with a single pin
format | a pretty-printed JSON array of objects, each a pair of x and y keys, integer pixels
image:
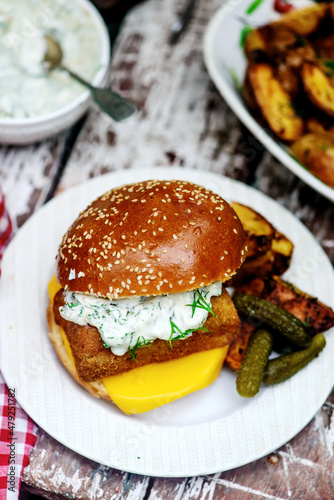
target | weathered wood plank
[
  {"x": 185, "y": 122},
  {"x": 26, "y": 174}
]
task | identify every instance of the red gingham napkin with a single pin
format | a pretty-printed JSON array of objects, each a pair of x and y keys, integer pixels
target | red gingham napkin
[{"x": 17, "y": 431}]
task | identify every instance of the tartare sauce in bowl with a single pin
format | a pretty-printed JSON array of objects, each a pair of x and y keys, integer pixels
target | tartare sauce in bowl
[{"x": 35, "y": 104}]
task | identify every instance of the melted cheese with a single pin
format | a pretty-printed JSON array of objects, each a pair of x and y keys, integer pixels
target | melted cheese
[{"x": 154, "y": 385}]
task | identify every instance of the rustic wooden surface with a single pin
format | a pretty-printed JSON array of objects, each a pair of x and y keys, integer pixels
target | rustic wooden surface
[{"x": 183, "y": 122}]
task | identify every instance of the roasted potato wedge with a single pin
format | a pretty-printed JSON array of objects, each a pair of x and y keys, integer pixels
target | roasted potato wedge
[
  {"x": 275, "y": 104},
  {"x": 248, "y": 95},
  {"x": 268, "y": 251},
  {"x": 317, "y": 126},
  {"x": 237, "y": 348},
  {"x": 282, "y": 250},
  {"x": 324, "y": 45},
  {"x": 259, "y": 265},
  {"x": 305, "y": 21},
  {"x": 316, "y": 152},
  {"x": 309, "y": 310},
  {"x": 318, "y": 87},
  {"x": 259, "y": 232},
  {"x": 254, "y": 43}
]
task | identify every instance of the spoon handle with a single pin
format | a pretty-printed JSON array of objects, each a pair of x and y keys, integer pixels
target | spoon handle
[{"x": 111, "y": 103}]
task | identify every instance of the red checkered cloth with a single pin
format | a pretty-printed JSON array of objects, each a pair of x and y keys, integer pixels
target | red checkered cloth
[{"x": 17, "y": 431}]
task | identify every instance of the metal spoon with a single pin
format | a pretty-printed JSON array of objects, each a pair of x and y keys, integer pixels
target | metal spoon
[{"x": 111, "y": 103}]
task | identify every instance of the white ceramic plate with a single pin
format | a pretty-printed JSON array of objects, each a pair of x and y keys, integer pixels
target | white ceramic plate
[
  {"x": 208, "y": 431},
  {"x": 226, "y": 64}
]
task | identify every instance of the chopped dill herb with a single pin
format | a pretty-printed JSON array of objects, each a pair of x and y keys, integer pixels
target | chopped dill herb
[
  {"x": 244, "y": 34},
  {"x": 71, "y": 305},
  {"x": 181, "y": 334},
  {"x": 253, "y": 6},
  {"x": 200, "y": 303},
  {"x": 141, "y": 342}
]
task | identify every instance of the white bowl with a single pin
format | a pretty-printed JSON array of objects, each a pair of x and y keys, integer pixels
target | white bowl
[
  {"x": 29, "y": 130},
  {"x": 226, "y": 63}
]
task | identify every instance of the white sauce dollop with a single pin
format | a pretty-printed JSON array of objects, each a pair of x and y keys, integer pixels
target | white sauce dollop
[
  {"x": 125, "y": 324},
  {"x": 26, "y": 91}
]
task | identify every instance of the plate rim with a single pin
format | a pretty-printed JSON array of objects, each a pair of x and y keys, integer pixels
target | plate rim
[
  {"x": 240, "y": 109},
  {"x": 214, "y": 426}
]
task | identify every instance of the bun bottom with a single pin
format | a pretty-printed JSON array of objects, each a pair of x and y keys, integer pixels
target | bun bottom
[{"x": 95, "y": 388}]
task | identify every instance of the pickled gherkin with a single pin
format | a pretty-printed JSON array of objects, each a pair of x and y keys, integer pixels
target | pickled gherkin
[
  {"x": 281, "y": 368},
  {"x": 254, "y": 362},
  {"x": 274, "y": 317}
]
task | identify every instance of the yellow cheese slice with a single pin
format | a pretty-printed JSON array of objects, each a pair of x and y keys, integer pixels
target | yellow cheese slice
[{"x": 148, "y": 387}]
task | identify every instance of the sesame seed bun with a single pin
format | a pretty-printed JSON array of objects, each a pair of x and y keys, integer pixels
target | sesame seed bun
[{"x": 151, "y": 238}]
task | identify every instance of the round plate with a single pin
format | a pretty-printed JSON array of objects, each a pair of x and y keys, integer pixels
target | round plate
[
  {"x": 208, "y": 431},
  {"x": 226, "y": 64}
]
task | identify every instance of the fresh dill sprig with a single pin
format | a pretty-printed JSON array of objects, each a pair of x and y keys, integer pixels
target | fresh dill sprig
[
  {"x": 200, "y": 303},
  {"x": 181, "y": 334},
  {"x": 140, "y": 342}
]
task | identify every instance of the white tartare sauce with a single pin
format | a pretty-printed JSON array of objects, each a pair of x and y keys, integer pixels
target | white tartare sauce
[
  {"x": 26, "y": 90},
  {"x": 126, "y": 324}
]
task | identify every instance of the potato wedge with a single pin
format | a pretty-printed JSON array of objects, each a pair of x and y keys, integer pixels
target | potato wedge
[
  {"x": 282, "y": 250},
  {"x": 268, "y": 250},
  {"x": 248, "y": 96},
  {"x": 317, "y": 126},
  {"x": 259, "y": 232},
  {"x": 259, "y": 265},
  {"x": 275, "y": 104},
  {"x": 316, "y": 152},
  {"x": 254, "y": 43},
  {"x": 318, "y": 87},
  {"x": 237, "y": 348},
  {"x": 308, "y": 309},
  {"x": 318, "y": 316},
  {"x": 324, "y": 45},
  {"x": 304, "y": 21}
]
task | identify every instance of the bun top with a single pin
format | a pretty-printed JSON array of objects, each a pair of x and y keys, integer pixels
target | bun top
[{"x": 150, "y": 238}]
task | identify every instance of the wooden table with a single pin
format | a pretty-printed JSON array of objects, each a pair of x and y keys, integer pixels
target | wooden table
[{"x": 183, "y": 121}]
